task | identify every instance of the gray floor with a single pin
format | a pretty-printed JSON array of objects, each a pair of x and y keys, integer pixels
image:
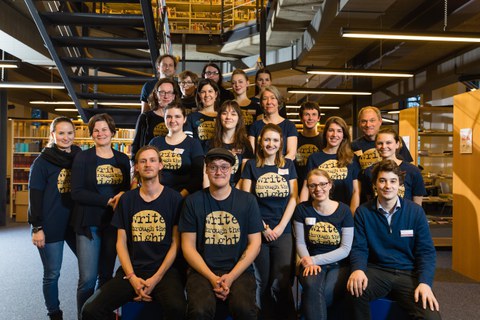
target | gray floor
[{"x": 21, "y": 290}]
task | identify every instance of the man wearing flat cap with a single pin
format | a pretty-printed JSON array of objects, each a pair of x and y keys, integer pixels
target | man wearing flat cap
[{"x": 221, "y": 236}]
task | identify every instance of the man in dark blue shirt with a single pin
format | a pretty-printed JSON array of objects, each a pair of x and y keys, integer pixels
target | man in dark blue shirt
[
  {"x": 220, "y": 228},
  {"x": 392, "y": 252}
]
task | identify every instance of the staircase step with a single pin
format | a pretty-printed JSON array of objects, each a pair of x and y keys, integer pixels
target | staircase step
[
  {"x": 100, "y": 42},
  {"x": 110, "y": 80},
  {"x": 93, "y": 19},
  {"x": 94, "y": 62}
]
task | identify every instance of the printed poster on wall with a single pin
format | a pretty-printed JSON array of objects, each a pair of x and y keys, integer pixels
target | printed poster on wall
[{"x": 466, "y": 140}]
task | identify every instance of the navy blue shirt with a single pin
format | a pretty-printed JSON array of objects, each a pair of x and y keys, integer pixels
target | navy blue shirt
[
  {"x": 148, "y": 225},
  {"x": 57, "y": 204},
  {"x": 322, "y": 232},
  {"x": 250, "y": 114},
  {"x": 201, "y": 126},
  {"x": 182, "y": 163},
  {"x": 342, "y": 177},
  {"x": 222, "y": 227},
  {"x": 305, "y": 147},
  {"x": 271, "y": 186},
  {"x": 368, "y": 155},
  {"x": 149, "y": 125},
  {"x": 287, "y": 126},
  {"x": 147, "y": 89}
]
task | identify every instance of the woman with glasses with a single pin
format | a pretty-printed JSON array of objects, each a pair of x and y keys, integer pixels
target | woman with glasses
[
  {"x": 338, "y": 160},
  {"x": 273, "y": 180},
  {"x": 271, "y": 99},
  {"x": 187, "y": 81},
  {"x": 182, "y": 156},
  {"x": 201, "y": 124},
  {"x": 388, "y": 143},
  {"x": 323, "y": 236},
  {"x": 151, "y": 123},
  {"x": 212, "y": 71},
  {"x": 251, "y": 111},
  {"x": 51, "y": 207},
  {"x": 230, "y": 134},
  {"x": 100, "y": 175}
]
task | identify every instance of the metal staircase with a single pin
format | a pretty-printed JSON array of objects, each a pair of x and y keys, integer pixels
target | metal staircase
[{"x": 104, "y": 50}]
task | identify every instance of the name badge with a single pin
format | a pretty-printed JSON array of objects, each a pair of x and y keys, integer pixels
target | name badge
[
  {"x": 178, "y": 150},
  {"x": 406, "y": 233},
  {"x": 283, "y": 172},
  {"x": 310, "y": 221}
]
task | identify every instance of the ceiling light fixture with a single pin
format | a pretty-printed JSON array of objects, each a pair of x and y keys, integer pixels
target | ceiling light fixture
[
  {"x": 66, "y": 109},
  {"x": 53, "y": 102},
  {"x": 328, "y": 91},
  {"x": 359, "y": 73},
  {"x": 91, "y": 103},
  {"x": 410, "y": 35},
  {"x": 9, "y": 64},
  {"x": 321, "y": 107},
  {"x": 388, "y": 120},
  {"x": 31, "y": 85}
]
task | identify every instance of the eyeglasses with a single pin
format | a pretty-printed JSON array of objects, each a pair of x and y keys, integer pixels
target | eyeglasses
[
  {"x": 213, "y": 168},
  {"x": 322, "y": 185},
  {"x": 166, "y": 93},
  {"x": 211, "y": 73},
  {"x": 185, "y": 83}
]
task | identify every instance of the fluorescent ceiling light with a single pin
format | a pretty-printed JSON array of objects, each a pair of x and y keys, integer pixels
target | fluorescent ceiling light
[
  {"x": 328, "y": 91},
  {"x": 66, "y": 109},
  {"x": 9, "y": 64},
  {"x": 410, "y": 35},
  {"x": 91, "y": 103},
  {"x": 359, "y": 73},
  {"x": 388, "y": 120},
  {"x": 321, "y": 107},
  {"x": 394, "y": 112},
  {"x": 31, "y": 85}
]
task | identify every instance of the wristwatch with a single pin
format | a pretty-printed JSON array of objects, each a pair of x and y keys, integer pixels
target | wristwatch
[{"x": 36, "y": 229}]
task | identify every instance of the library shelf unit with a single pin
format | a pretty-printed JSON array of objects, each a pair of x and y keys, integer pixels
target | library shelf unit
[
  {"x": 205, "y": 16},
  {"x": 429, "y": 131},
  {"x": 29, "y": 138}
]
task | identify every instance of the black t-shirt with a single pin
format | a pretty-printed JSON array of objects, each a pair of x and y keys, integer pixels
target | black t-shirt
[
  {"x": 222, "y": 227},
  {"x": 305, "y": 147},
  {"x": 148, "y": 225}
]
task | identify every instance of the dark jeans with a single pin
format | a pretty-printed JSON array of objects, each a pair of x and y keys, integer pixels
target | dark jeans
[
  {"x": 273, "y": 270},
  {"x": 202, "y": 303},
  {"x": 117, "y": 292},
  {"x": 399, "y": 285},
  {"x": 96, "y": 261},
  {"x": 319, "y": 291}
]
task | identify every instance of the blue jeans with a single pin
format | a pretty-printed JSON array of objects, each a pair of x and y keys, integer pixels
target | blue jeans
[
  {"x": 273, "y": 270},
  {"x": 52, "y": 256},
  {"x": 96, "y": 261},
  {"x": 169, "y": 292},
  {"x": 319, "y": 291},
  {"x": 203, "y": 304}
]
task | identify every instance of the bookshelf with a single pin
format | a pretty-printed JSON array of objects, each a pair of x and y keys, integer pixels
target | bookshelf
[
  {"x": 205, "y": 16},
  {"x": 29, "y": 137}
]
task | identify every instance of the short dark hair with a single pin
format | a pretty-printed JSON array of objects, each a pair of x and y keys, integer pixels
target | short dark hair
[
  {"x": 387, "y": 166},
  {"x": 152, "y": 97},
  {"x": 163, "y": 56},
  {"x": 308, "y": 105},
  {"x": 101, "y": 117}
]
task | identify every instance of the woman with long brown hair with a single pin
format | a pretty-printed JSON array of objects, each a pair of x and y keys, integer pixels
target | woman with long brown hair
[{"x": 338, "y": 159}]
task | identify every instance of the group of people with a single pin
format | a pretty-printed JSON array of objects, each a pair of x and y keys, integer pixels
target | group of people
[{"x": 221, "y": 200}]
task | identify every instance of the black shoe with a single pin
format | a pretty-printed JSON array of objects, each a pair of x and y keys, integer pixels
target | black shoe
[{"x": 58, "y": 315}]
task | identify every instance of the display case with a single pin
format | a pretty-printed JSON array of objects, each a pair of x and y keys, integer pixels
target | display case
[
  {"x": 429, "y": 133},
  {"x": 31, "y": 136}
]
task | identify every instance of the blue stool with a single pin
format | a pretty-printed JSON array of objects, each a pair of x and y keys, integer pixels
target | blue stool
[
  {"x": 386, "y": 309},
  {"x": 141, "y": 311}
]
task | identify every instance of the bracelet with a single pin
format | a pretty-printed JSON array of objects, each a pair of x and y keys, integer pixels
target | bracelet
[{"x": 128, "y": 276}]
